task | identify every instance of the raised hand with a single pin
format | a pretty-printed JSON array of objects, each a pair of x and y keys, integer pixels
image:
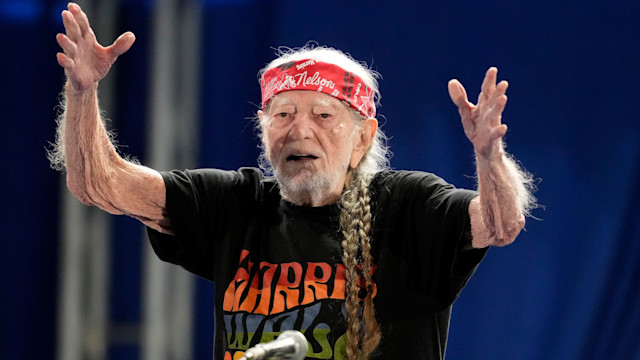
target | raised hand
[
  {"x": 482, "y": 122},
  {"x": 84, "y": 60}
]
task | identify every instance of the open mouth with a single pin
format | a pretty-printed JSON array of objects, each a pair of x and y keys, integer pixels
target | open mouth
[{"x": 298, "y": 157}]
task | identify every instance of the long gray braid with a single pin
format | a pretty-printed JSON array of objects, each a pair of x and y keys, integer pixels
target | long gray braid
[{"x": 363, "y": 331}]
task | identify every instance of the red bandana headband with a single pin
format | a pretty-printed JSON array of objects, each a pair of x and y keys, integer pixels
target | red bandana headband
[{"x": 319, "y": 76}]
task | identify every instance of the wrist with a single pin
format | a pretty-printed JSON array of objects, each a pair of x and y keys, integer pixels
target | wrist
[
  {"x": 72, "y": 91},
  {"x": 494, "y": 152}
]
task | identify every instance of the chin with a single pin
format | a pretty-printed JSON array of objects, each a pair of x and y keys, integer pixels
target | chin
[
  {"x": 304, "y": 187},
  {"x": 304, "y": 184}
]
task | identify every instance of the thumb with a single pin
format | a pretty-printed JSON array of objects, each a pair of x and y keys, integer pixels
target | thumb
[
  {"x": 458, "y": 94},
  {"x": 122, "y": 44}
]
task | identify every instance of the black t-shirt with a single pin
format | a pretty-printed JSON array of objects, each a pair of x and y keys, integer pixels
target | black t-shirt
[{"x": 277, "y": 266}]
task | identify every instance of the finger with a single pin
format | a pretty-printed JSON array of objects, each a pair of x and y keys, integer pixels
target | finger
[
  {"x": 71, "y": 27},
  {"x": 67, "y": 45},
  {"x": 502, "y": 86},
  {"x": 489, "y": 82},
  {"x": 122, "y": 44},
  {"x": 80, "y": 17},
  {"x": 500, "y": 90},
  {"x": 498, "y": 132},
  {"x": 494, "y": 117},
  {"x": 65, "y": 61},
  {"x": 458, "y": 94},
  {"x": 499, "y": 105}
]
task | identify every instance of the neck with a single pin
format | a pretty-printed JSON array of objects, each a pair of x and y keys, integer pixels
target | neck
[
  {"x": 310, "y": 197},
  {"x": 315, "y": 191}
]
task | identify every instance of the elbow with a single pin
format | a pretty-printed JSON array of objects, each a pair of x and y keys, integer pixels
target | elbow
[
  {"x": 95, "y": 190},
  {"x": 494, "y": 228},
  {"x": 77, "y": 187},
  {"x": 510, "y": 232}
]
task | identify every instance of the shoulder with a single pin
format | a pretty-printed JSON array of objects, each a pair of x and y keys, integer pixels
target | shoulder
[
  {"x": 248, "y": 181},
  {"x": 213, "y": 175},
  {"x": 245, "y": 176},
  {"x": 403, "y": 190},
  {"x": 404, "y": 180}
]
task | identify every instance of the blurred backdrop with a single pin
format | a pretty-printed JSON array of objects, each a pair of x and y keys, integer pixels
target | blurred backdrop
[{"x": 79, "y": 284}]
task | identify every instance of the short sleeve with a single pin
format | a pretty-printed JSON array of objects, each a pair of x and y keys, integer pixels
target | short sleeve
[
  {"x": 429, "y": 222},
  {"x": 199, "y": 202}
]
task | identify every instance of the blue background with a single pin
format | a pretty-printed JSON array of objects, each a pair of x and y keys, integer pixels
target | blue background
[{"x": 567, "y": 289}]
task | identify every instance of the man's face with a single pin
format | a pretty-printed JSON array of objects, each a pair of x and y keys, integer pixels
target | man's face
[{"x": 310, "y": 139}]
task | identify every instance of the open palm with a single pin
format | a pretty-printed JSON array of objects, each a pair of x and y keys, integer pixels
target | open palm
[
  {"x": 482, "y": 122},
  {"x": 84, "y": 60}
]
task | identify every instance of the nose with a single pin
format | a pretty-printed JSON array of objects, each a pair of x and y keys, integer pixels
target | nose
[{"x": 301, "y": 127}]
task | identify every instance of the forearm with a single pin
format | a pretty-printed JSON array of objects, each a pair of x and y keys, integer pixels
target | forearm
[
  {"x": 97, "y": 175},
  {"x": 89, "y": 155},
  {"x": 498, "y": 214}
]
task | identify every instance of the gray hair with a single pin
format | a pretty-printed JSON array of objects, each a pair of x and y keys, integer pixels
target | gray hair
[
  {"x": 363, "y": 331},
  {"x": 377, "y": 156}
]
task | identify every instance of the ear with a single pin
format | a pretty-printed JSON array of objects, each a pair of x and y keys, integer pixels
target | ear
[
  {"x": 262, "y": 119},
  {"x": 362, "y": 142}
]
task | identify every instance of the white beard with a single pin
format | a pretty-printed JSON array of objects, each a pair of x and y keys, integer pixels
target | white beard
[{"x": 308, "y": 186}]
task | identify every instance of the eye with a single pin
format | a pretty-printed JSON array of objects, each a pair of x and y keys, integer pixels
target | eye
[
  {"x": 327, "y": 120},
  {"x": 281, "y": 118}
]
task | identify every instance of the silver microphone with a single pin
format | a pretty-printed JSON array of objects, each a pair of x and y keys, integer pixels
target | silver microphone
[{"x": 290, "y": 345}]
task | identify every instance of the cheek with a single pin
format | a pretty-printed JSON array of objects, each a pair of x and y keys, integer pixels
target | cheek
[
  {"x": 340, "y": 137},
  {"x": 273, "y": 142},
  {"x": 341, "y": 128},
  {"x": 340, "y": 141}
]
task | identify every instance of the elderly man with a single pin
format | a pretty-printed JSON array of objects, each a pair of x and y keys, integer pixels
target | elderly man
[{"x": 365, "y": 261}]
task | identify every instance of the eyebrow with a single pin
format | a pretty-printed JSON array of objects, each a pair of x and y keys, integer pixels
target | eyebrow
[
  {"x": 281, "y": 101},
  {"x": 324, "y": 102},
  {"x": 278, "y": 101}
]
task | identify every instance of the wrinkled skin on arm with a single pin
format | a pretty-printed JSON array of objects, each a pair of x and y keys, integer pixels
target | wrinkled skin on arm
[
  {"x": 498, "y": 213},
  {"x": 96, "y": 173}
]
